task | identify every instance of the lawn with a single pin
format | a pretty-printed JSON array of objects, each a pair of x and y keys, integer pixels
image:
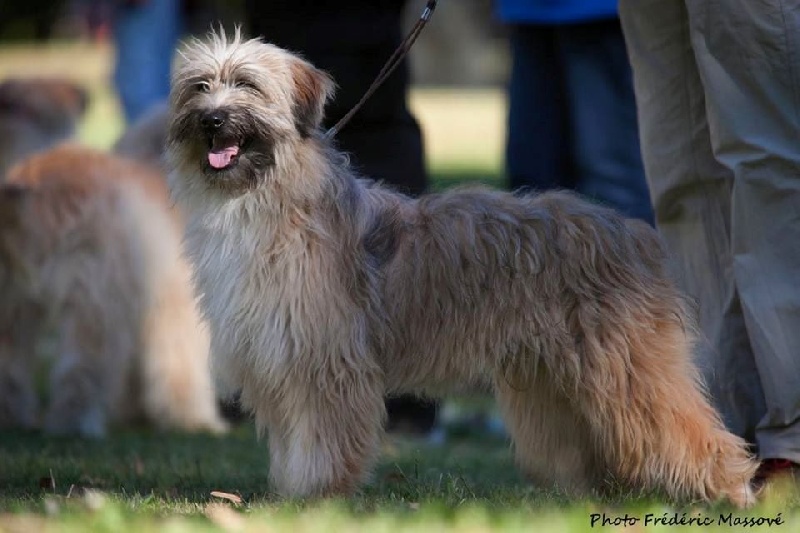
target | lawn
[{"x": 137, "y": 480}]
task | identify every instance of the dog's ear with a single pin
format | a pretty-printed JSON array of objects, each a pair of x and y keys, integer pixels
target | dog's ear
[{"x": 312, "y": 88}]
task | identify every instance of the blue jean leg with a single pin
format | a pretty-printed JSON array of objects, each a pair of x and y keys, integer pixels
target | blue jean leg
[
  {"x": 537, "y": 148},
  {"x": 145, "y": 36},
  {"x": 603, "y": 117}
]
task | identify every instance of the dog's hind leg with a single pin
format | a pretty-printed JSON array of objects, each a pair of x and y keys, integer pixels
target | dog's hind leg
[
  {"x": 552, "y": 441},
  {"x": 640, "y": 392}
]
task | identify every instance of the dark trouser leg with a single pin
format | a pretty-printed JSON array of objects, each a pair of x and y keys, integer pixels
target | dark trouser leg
[
  {"x": 605, "y": 135},
  {"x": 537, "y": 154}
]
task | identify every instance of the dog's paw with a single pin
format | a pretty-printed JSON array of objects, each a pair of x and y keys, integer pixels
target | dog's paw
[{"x": 743, "y": 497}]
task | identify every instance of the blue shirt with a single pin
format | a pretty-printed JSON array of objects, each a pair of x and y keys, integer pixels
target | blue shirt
[{"x": 554, "y": 11}]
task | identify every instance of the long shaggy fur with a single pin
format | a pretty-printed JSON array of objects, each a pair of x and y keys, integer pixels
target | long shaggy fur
[
  {"x": 90, "y": 248},
  {"x": 324, "y": 292}
]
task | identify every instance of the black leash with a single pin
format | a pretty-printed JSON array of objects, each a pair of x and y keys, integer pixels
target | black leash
[{"x": 391, "y": 64}]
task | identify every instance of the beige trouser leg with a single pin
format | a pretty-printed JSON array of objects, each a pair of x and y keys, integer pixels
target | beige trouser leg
[{"x": 717, "y": 86}]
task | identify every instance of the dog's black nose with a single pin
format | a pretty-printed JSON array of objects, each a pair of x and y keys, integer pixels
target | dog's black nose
[{"x": 213, "y": 120}]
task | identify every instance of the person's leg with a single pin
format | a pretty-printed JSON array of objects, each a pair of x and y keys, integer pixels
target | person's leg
[
  {"x": 749, "y": 58},
  {"x": 537, "y": 154},
  {"x": 603, "y": 117},
  {"x": 383, "y": 137},
  {"x": 352, "y": 44},
  {"x": 145, "y": 35},
  {"x": 691, "y": 194}
]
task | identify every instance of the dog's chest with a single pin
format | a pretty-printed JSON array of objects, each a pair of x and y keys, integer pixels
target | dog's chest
[{"x": 252, "y": 280}]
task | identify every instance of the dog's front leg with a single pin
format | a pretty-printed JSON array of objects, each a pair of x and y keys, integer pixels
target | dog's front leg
[
  {"x": 19, "y": 403},
  {"x": 327, "y": 431}
]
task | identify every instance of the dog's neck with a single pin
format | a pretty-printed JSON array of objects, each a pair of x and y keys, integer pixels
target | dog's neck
[
  {"x": 311, "y": 171},
  {"x": 312, "y": 176}
]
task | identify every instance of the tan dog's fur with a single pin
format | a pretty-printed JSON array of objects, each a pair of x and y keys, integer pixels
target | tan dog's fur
[
  {"x": 90, "y": 247},
  {"x": 325, "y": 292},
  {"x": 35, "y": 114}
]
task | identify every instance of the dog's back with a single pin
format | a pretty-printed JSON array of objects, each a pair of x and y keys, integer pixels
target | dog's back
[{"x": 524, "y": 261}]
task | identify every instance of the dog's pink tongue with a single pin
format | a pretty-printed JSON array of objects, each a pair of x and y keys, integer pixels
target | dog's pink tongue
[{"x": 222, "y": 158}]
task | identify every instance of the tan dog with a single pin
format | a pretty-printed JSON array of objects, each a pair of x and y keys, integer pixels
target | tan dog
[
  {"x": 325, "y": 291},
  {"x": 35, "y": 114},
  {"x": 90, "y": 248}
]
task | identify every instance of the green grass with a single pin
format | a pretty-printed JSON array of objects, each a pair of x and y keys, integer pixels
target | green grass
[
  {"x": 150, "y": 475},
  {"x": 141, "y": 479},
  {"x": 155, "y": 469}
]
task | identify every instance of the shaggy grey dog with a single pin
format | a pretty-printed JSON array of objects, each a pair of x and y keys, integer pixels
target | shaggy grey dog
[{"x": 324, "y": 292}]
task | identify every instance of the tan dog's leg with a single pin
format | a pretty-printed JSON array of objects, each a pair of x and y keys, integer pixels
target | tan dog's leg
[
  {"x": 79, "y": 385},
  {"x": 323, "y": 441},
  {"x": 653, "y": 421}
]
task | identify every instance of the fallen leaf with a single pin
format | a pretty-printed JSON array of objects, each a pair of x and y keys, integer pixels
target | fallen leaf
[{"x": 234, "y": 498}]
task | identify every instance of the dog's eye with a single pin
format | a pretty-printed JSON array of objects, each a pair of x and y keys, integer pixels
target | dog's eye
[
  {"x": 202, "y": 86},
  {"x": 244, "y": 84}
]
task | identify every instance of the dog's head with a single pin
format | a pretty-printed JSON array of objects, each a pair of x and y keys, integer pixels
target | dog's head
[
  {"x": 53, "y": 105},
  {"x": 235, "y": 103}
]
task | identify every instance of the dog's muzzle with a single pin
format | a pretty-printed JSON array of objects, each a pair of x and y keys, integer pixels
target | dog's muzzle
[{"x": 223, "y": 149}]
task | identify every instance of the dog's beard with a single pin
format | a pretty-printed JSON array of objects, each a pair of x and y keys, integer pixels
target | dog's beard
[{"x": 234, "y": 157}]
